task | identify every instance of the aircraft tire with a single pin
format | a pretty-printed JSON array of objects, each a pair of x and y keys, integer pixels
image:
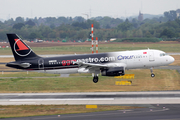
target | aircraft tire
[
  {"x": 95, "y": 79},
  {"x": 152, "y": 75}
]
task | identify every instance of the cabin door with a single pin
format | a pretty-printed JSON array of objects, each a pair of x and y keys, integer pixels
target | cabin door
[
  {"x": 151, "y": 56},
  {"x": 41, "y": 63}
]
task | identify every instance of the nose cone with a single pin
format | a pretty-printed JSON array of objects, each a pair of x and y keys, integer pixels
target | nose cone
[{"x": 171, "y": 59}]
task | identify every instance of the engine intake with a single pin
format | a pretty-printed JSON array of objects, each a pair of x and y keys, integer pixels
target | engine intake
[{"x": 115, "y": 71}]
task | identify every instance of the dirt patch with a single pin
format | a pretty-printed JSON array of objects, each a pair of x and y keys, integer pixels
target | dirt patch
[
  {"x": 177, "y": 60},
  {"x": 50, "y": 44},
  {"x": 39, "y": 110}
]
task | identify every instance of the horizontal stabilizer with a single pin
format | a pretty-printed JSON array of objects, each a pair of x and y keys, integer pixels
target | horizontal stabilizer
[{"x": 24, "y": 65}]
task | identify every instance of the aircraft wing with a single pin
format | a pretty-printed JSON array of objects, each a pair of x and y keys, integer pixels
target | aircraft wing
[{"x": 99, "y": 66}]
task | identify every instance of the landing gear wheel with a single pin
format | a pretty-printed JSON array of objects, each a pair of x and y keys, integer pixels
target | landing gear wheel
[
  {"x": 152, "y": 75},
  {"x": 95, "y": 79}
]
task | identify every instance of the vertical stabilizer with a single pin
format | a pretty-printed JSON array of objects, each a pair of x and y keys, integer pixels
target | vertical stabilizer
[{"x": 19, "y": 48}]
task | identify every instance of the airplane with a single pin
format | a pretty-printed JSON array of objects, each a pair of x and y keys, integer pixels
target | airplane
[{"x": 108, "y": 64}]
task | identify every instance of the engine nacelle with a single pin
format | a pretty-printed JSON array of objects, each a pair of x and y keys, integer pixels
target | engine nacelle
[{"x": 115, "y": 71}]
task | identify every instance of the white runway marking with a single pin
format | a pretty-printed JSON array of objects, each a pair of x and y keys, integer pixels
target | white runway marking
[
  {"x": 155, "y": 97},
  {"x": 16, "y": 100}
]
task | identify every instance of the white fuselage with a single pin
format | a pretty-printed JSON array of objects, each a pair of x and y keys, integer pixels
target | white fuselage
[
  {"x": 144, "y": 58},
  {"x": 136, "y": 59}
]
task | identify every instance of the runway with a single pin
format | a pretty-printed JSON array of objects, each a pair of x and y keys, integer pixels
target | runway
[
  {"x": 162, "y": 97},
  {"x": 171, "y": 67},
  {"x": 149, "y": 112}
]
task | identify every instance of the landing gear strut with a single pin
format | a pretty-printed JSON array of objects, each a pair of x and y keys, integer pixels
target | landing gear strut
[
  {"x": 152, "y": 74},
  {"x": 95, "y": 79}
]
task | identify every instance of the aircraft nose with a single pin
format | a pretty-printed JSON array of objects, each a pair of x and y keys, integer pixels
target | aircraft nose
[{"x": 171, "y": 59}]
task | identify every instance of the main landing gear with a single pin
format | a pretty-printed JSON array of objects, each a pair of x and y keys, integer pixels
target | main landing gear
[
  {"x": 95, "y": 79},
  {"x": 95, "y": 76},
  {"x": 152, "y": 74}
]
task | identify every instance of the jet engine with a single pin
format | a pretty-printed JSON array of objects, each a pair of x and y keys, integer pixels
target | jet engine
[{"x": 115, "y": 71}]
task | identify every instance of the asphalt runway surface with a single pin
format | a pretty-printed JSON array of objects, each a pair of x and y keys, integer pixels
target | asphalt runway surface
[
  {"x": 171, "y": 67},
  {"x": 149, "y": 112},
  {"x": 161, "y": 97}
]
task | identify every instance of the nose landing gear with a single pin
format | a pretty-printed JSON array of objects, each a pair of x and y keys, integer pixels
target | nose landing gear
[{"x": 152, "y": 74}]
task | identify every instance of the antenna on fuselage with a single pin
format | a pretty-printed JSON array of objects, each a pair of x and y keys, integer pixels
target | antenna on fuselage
[{"x": 147, "y": 48}]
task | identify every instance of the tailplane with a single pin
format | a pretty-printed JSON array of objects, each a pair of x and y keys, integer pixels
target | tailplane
[{"x": 19, "y": 48}]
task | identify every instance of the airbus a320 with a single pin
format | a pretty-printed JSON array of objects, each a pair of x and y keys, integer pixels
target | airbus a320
[{"x": 108, "y": 64}]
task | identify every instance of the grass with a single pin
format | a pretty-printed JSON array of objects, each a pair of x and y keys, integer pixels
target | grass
[
  {"x": 164, "y": 80},
  {"x": 27, "y": 74},
  {"x": 7, "y": 59},
  {"x": 177, "y": 60},
  {"x": 41, "y": 110},
  {"x": 111, "y": 47}
]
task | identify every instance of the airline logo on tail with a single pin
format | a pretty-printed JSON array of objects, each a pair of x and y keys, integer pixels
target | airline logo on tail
[{"x": 20, "y": 48}]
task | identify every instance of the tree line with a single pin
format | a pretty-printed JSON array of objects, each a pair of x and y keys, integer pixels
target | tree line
[{"x": 78, "y": 28}]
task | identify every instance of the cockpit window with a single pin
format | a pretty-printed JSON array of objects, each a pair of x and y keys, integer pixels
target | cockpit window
[{"x": 163, "y": 54}]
